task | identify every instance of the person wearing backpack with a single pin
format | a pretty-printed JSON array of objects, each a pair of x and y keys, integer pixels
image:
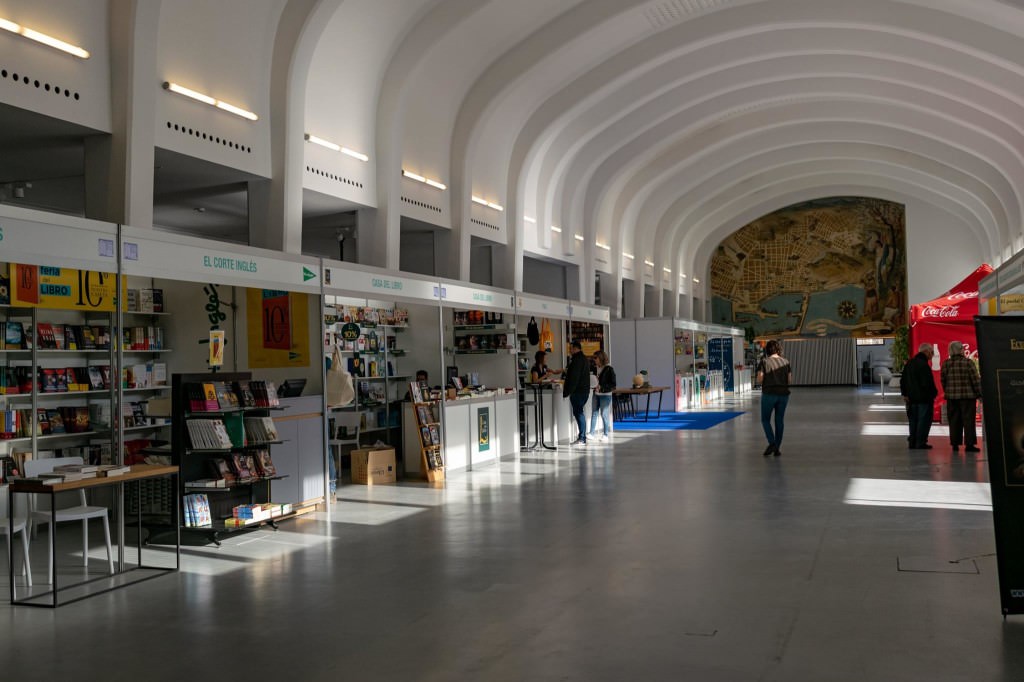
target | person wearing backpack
[{"x": 602, "y": 395}]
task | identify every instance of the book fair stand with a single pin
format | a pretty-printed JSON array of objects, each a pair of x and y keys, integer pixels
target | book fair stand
[
  {"x": 545, "y": 418},
  {"x": 78, "y": 362},
  {"x": 384, "y": 328},
  {"x": 480, "y": 397},
  {"x": 245, "y": 404}
]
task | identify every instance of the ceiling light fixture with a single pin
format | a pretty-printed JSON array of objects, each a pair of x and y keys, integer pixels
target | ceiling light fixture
[
  {"x": 578, "y": 237},
  {"x": 648, "y": 263},
  {"x": 336, "y": 147},
  {"x": 212, "y": 101},
  {"x": 668, "y": 270},
  {"x": 606, "y": 247},
  {"x": 478, "y": 200},
  {"x": 49, "y": 41},
  {"x": 696, "y": 281},
  {"x": 496, "y": 207},
  {"x": 528, "y": 219},
  {"x": 555, "y": 228},
  {"x": 629, "y": 256},
  {"x": 419, "y": 178}
]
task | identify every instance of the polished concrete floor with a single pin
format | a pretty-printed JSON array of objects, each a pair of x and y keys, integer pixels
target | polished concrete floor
[{"x": 664, "y": 556}]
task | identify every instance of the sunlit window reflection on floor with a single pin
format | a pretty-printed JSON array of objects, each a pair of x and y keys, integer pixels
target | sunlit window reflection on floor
[
  {"x": 901, "y": 430},
  {"x": 879, "y": 492},
  {"x": 886, "y": 407}
]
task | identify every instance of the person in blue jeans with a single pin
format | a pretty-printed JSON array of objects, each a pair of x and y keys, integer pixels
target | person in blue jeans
[
  {"x": 774, "y": 374},
  {"x": 577, "y": 389},
  {"x": 602, "y": 394}
]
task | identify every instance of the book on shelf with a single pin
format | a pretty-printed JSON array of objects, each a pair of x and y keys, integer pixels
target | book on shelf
[
  {"x": 87, "y": 337},
  {"x": 196, "y": 398},
  {"x": 240, "y": 465},
  {"x": 210, "y": 397},
  {"x": 435, "y": 434},
  {"x": 44, "y": 332},
  {"x": 62, "y": 379},
  {"x": 260, "y": 430},
  {"x": 206, "y": 483},
  {"x": 221, "y": 470},
  {"x": 145, "y": 300},
  {"x": 131, "y": 300},
  {"x": 425, "y": 435},
  {"x": 415, "y": 392},
  {"x": 57, "y": 336},
  {"x": 244, "y": 394},
  {"x": 264, "y": 464},
  {"x": 53, "y": 415},
  {"x": 208, "y": 434},
  {"x": 423, "y": 414},
  {"x": 14, "y": 335},
  {"x": 70, "y": 337},
  {"x": 226, "y": 398}
]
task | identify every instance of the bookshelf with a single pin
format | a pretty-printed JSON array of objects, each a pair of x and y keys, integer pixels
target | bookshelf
[
  {"x": 222, "y": 437},
  {"x": 428, "y": 422},
  {"x": 374, "y": 358}
]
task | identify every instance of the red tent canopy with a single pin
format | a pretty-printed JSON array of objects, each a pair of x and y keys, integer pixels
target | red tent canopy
[{"x": 945, "y": 319}]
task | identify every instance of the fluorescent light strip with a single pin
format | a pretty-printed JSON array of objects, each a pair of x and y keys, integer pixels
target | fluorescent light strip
[
  {"x": 696, "y": 281},
  {"x": 555, "y": 228},
  {"x": 322, "y": 142},
  {"x": 629, "y": 256},
  {"x": 206, "y": 99},
  {"x": 648, "y": 263},
  {"x": 419, "y": 178},
  {"x": 602, "y": 246},
  {"x": 478, "y": 200},
  {"x": 668, "y": 270},
  {"x": 578, "y": 237},
  {"x": 496, "y": 207},
  {"x": 49, "y": 41},
  {"x": 354, "y": 154},
  {"x": 528, "y": 219}
]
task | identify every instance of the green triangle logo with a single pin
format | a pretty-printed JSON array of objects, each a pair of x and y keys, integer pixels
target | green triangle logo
[{"x": 307, "y": 274}]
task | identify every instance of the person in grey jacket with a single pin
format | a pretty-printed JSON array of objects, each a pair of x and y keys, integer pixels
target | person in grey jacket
[{"x": 577, "y": 389}]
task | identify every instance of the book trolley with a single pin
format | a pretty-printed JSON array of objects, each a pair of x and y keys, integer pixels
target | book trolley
[{"x": 428, "y": 413}]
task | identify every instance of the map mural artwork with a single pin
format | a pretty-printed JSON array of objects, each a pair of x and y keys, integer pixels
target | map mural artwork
[{"x": 828, "y": 267}]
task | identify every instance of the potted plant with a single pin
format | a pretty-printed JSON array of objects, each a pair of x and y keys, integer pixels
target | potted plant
[{"x": 900, "y": 349}]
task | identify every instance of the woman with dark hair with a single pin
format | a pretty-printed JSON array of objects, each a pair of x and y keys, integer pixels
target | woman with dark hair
[
  {"x": 602, "y": 395},
  {"x": 773, "y": 373},
  {"x": 540, "y": 372}
]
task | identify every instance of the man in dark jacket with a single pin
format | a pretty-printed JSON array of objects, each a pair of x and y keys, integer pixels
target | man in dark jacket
[
  {"x": 919, "y": 392},
  {"x": 577, "y": 389}
]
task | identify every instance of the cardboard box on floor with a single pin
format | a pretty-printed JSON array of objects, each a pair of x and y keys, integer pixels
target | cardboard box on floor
[{"x": 373, "y": 466}]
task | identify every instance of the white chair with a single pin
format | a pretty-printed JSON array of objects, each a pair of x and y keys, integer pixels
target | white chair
[
  {"x": 20, "y": 526},
  {"x": 83, "y": 512}
]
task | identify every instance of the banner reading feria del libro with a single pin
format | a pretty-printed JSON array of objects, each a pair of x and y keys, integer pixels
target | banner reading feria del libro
[{"x": 1001, "y": 356}]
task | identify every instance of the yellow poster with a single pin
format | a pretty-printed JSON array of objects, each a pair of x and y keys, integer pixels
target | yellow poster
[
  {"x": 278, "y": 326},
  {"x": 39, "y": 286}
]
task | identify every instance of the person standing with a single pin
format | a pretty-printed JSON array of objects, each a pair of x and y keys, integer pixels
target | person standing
[
  {"x": 577, "y": 389},
  {"x": 602, "y": 394},
  {"x": 917, "y": 385},
  {"x": 962, "y": 387},
  {"x": 774, "y": 374}
]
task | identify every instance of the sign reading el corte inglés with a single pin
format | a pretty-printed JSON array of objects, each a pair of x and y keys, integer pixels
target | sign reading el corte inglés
[{"x": 184, "y": 258}]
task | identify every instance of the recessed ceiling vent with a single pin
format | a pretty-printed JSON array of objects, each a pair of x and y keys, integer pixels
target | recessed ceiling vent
[{"x": 664, "y": 14}]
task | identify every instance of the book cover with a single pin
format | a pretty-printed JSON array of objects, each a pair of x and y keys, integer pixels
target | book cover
[
  {"x": 14, "y": 335},
  {"x": 49, "y": 380},
  {"x": 95, "y": 378},
  {"x": 423, "y": 414},
  {"x": 196, "y": 398},
  {"x": 425, "y": 435},
  {"x": 238, "y": 464},
  {"x": 5, "y": 285},
  {"x": 43, "y": 422},
  {"x": 210, "y": 397},
  {"x": 61, "y": 374},
  {"x": 57, "y": 336},
  {"x": 81, "y": 419},
  {"x": 435, "y": 435},
  {"x": 56, "y": 421},
  {"x": 70, "y": 337},
  {"x": 105, "y": 373},
  {"x": 226, "y": 398},
  {"x": 87, "y": 337},
  {"x": 222, "y": 470},
  {"x": 265, "y": 463}
]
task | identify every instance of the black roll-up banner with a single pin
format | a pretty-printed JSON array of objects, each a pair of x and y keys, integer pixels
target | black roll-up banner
[{"x": 1001, "y": 360}]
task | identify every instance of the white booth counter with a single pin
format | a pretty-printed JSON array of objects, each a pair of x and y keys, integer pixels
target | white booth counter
[
  {"x": 743, "y": 379},
  {"x": 480, "y": 428},
  {"x": 556, "y": 415}
]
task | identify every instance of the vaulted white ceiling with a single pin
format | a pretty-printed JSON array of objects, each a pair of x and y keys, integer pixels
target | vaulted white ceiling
[{"x": 660, "y": 127}]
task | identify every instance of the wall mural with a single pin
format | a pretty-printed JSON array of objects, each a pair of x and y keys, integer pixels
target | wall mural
[{"x": 834, "y": 266}]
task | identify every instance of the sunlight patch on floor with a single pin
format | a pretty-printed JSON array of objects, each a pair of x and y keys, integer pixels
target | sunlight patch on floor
[{"x": 877, "y": 492}]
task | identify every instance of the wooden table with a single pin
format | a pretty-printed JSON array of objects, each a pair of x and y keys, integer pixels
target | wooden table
[
  {"x": 138, "y": 473},
  {"x": 646, "y": 390}
]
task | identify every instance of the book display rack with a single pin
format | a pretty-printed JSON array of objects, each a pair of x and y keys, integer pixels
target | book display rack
[
  {"x": 223, "y": 433},
  {"x": 428, "y": 420}
]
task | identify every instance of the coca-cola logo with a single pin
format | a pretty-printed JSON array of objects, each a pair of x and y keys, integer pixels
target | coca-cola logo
[
  {"x": 963, "y": 295},
  {"x": 940, "y": 311}
]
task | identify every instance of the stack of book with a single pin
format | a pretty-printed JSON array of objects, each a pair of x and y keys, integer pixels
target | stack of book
[
  {"x": 260, "y": 430},
  {"x": 208, "y": 434},
  {"x": 197, "y": 510}
]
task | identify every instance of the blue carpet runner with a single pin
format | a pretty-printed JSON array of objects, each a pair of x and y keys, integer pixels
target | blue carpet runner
[{"x": 676, "y": 421}]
